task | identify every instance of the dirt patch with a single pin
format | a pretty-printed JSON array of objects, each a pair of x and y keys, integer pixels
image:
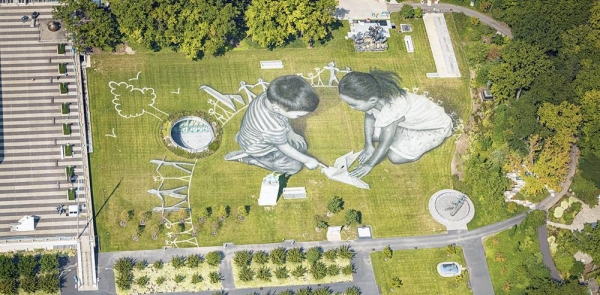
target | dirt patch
[{"x": 124, "y": 49}]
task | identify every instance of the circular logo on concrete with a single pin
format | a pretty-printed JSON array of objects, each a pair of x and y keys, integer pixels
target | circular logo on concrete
[{"x": 193, "y": 134}]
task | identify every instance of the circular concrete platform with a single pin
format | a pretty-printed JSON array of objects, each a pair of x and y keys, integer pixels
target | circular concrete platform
[{"x": 451, "y": 208}]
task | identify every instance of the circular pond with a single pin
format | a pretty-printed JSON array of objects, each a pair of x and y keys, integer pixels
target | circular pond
[{"x": 192, "y": 133}]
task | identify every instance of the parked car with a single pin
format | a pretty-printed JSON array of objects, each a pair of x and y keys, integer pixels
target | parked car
[
  {"x": 24, "y": 18},
  {"x": 35, "y": 14}
]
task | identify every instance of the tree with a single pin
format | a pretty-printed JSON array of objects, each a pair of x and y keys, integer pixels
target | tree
[
  {"x": 196, "y": 28},
  {"x": 407, "y": 12},
  {"x": 476, "y": 53},
  {"x": 141, "y": 265},
  {"x": 335, "y": 204},
  {"x": 277, "y": 256},
  {"x": 318, "y": 270},
  {"x": 418, "y": 12},
  {"x": 124, "y": 264},
  {"x": 241, "y": 212},
  {"x": 89, "y": 25},
  {"x": 242, "y": 258},
  {"x": 274, "y": 23},
  {"x": 8, "y": 286},
  {"x": 322, "y": 291},
  {"x": 260, "y": 257},
  {"x": 387, "y": 252},
  {"x": 353, "y": 217},
  {"x": 221, "y": 213},
  {"x": 313, "y": 254},
  {"x": 48, "y": 262},
  {"x": 29, "y": 284},
  {"x": 214, "y": 258},
  {"x": 124, "y": 217},
  {"x": 590, "y": 129},
  {"x": 27, "y": 265},
  {"x": 521, "y": 63},
  {"x": 50, "y": 283},
  {"x": 295, "y": 255}
]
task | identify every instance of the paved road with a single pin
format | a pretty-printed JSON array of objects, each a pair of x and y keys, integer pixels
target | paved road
[
  {"x": 546, "y": 255},
  {"x": 498, "y": 25}
]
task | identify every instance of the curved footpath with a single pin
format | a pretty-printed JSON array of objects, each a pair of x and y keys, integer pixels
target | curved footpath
[{"x": 442, "y": 7}]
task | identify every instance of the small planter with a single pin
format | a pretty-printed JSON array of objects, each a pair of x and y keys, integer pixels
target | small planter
[
  {"x": 61, "y": 49},
  {"x": 66, "y": 129},
  {"x": 70, "y": 172},
  {"x": 68, "y": 149},
  {"x": 62, "y": 68},
  {"x": 71, "y": 194},
  {"x": 65, "y": 108},
  {"x": 64, "y": 88}
]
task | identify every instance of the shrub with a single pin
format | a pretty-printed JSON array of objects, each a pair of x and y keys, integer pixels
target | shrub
[
  {"x": 278, "y": 256},
  {"x": 66, "y": 129},
  {"x": 178, "y": 262},
  {"x": 29, "y": 284},
  {"x": 124, "y": 264},
  {"x": 282, "y": 272},
  {"x": 321, "y": 291},
  {"x": 179, "y": 278},
  {"x": 124, "y": 280},
  {"x": 330, "y": 254},
  {"x": 65, "y": 109},
  {"x": 68, "y": 149},
  {"x": 48, "y": 262},
  {"x": 299, "y": 271},
  {"x": 318, "y": 270},
  {"x": 214, "y": 277},
  {"x": 64, "y": 88},
  {"x": 141, "y": 265},
  {"x": 313, "y": 255},
  {"x": 142, "y": 281},
  {"x": 264, "y": 273},
  {"x": 160, "y": 280},
  {"x": 71, "y": 194},
  {"x": 335, "y": 204},
  {"x": 158, "y": 264},
  {"x": 348, "y": 269},
  {"x": 353, "y": 217},
  {"x": 353, "y": 291},
  {"x": 62, "y": 68},
  {"x": 242, "y": 258},
  {"x": 333, "y": 270},
  {"x": 8, "y": 286},
  {"x": 193, "y": 261},
  {"x": 61, "y": 49},
  {"x": 213, "y": 258},
  {"x": 197, "y": 278},
  {"x": 50, "y": 283},
  {"x": 260, "y": 257},
  {"x": 295, "y": 255},
  {"x": 246, "y": 274}
]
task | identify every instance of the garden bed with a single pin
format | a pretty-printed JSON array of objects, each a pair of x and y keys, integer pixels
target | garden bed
[
  {"x": 62, "y": 68},
  {"x": 65, "y": 108},
  {"x": 64, "y": 88},
  {"x": 61, "y": 49},
  {"x": 565, "y": 211},
  {"x": 66, "y": 129}
]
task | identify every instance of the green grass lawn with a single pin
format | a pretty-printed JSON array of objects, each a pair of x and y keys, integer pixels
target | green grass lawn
[
  {"x": 417, "y": 270},
  {"x": 122, "y": 173}
]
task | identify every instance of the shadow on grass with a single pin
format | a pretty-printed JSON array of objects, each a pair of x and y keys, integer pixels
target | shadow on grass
[{"x": 107, "y": 199}]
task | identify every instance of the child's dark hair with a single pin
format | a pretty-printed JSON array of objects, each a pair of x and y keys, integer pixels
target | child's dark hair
[
  {"x": 293, "y": 93},
  {"x": 376, "y": 83}
]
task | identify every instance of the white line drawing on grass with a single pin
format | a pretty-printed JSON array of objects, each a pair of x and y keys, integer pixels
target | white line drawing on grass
[
  {"x": 176, "y": 92},
  {"x": 136, "y": 77},
  {"x": 186, "y": 226},
  {"x": 127, "y": 101},
  {"x": 112, "y": 134}
]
